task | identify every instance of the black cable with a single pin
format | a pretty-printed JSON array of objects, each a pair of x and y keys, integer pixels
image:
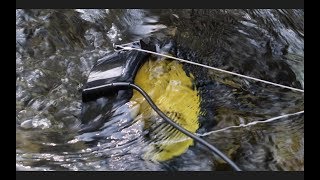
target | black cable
[{"x": 125, "y": 85}]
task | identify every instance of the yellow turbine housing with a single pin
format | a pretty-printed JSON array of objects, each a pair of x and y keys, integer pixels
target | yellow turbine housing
[{"x": 171, "y": 89}]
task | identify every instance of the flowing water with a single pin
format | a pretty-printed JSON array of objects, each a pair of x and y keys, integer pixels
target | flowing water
[{"x": 56, "y": 50}]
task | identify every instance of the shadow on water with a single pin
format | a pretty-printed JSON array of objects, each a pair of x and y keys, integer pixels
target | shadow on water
[{"x": 57, "y": 49}]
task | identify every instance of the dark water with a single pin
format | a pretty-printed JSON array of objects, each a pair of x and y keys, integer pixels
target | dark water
[{"x": 56, "y": 49}]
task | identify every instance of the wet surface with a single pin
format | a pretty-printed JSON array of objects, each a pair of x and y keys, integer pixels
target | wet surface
[{"x": 56, "y": 50}]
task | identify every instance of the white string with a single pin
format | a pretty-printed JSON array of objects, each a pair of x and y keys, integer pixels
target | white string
[
  {"x": 251, "y": 123},
  {"x": 209, "y": 67},
  {"x": 126, "y": 44},
  {"x": 230, "y": 127}
]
